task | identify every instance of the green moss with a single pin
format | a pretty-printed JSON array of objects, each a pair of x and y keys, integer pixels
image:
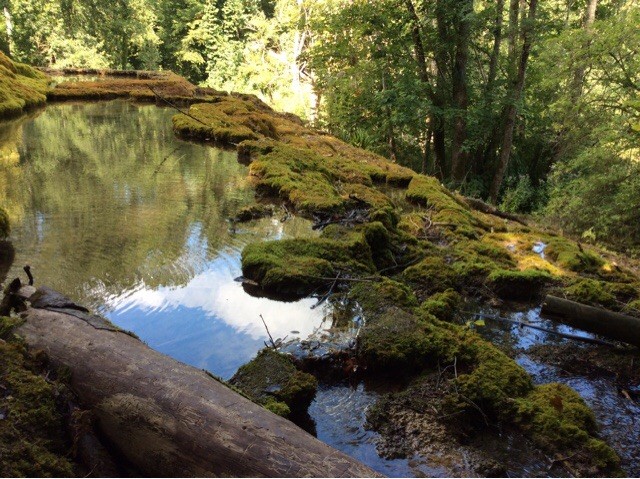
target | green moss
[
  {"x": 298, "y": 266},
  {"x": 492, "y": 385},
  {"x": 376, "y": 296},
  {"x": 431, "y": 275},
  {"x": 590, "y": 291},
  {"x": 32, "y": 438},
  {"x": 519, "y": 284},
  {"x": 568, "y": 255},
  {"x": 277, "y": 407},
  {"x": 442, "y": 305},
  {"x": 5, "y": 227},
  {"x": 271, "y": 379},
  {"x": 558, "y": 420},
  {"x": 21, "y": 87},
  {"x": 447, "y": 210}
]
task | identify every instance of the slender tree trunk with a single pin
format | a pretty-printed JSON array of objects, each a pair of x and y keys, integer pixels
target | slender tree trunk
[
  {"x": 435, "y": 127},
  {"x": 441, "y": 64},
  {"x": 495, "y": 52},
  {"x": 460, "y": 94},
  {"x": 579, "y": 74},
  {"x": 391, "y": 137},
  {"x": 512, "y": 110},
  {"x": 426, "y": 157},
  {"x": 514, "y": 11}
]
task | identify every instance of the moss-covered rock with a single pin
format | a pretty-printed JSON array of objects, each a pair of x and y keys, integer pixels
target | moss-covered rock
[
  {"x": 558, "y": 420},
  {"x": 569, "y": 255},
  {"x": 431, "y": 275},
  {"x": 516, "y": 284},
  {"x": 21, "y": 87},
  {"x": 590, "y": 291},
  {"x": 442, "y": 305},
  {"x": 272, "y": 380},
  {"x": 298, "y": 266}
]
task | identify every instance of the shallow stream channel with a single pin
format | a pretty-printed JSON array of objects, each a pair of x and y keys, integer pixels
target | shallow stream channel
[{"x": 109, "y": 207}]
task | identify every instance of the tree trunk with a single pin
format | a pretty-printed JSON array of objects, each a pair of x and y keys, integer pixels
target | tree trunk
[
  {"x": 587, "y": 23},
  {"x": 596, "y": 320},
  {"x": 495, "y": 52},
  {"x": 512, "y": 110},
  {"x": 435, "y": 127},
  {"x": 460, "y": 94},
  {"x": 170, "y": 419}
]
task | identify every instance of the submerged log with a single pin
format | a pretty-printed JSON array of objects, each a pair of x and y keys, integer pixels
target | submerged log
[
  {"x": 170, "y": 419},
  {"x": 595, "y": 320}
]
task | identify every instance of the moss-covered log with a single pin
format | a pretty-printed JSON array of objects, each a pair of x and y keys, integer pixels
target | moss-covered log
[
  {"x": 170, "y": 419},
  {"x": 596, "y": 320}
]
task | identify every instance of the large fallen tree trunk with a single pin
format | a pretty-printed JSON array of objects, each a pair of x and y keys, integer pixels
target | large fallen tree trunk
[
  {"x": 596, "y": 320},
  {"x": 170, "y": 419}
]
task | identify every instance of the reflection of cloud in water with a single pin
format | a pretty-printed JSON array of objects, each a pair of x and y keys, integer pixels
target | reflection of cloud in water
[{"x": 215, "y": 293}]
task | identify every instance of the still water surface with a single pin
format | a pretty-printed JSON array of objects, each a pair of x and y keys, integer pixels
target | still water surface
[{"x": 109, "y": 207}]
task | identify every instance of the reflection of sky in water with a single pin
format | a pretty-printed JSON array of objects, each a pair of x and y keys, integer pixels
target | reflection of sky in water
[{"x": 211, "y": 322}]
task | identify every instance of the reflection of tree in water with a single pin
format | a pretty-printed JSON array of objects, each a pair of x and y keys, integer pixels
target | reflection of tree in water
[{"x": 106, "y": 191}]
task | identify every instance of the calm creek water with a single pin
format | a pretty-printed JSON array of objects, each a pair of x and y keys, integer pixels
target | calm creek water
[{"x": 110, "y": 208}]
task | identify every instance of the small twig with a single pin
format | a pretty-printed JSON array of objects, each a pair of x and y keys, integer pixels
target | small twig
[
  {"x": 324, "y": 298},
  {"x": 540, "y": 328},
  {"x": 186, "y": 113},
  {"x": 273, "y": 343}
]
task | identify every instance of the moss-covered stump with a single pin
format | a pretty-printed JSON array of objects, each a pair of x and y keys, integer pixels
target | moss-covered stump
[
  {"x": 272, "y": 380},
  {"x": 21, "y": 87},
  {"x": 33, "y": 442}
]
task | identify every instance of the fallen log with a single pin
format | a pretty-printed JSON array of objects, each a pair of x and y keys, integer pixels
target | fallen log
[
  {"x": 483, "y": 207},
  {"x": 170, "y": 419},
  {"x": 595, "y": 320}
]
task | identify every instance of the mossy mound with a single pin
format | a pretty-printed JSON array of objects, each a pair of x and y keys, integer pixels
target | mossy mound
[
  {"x": 446, "y": 209},
  {"x": 558, "y": 420},
  {"x": 272, "y": 380},
  {"x": 21, "y": 87},
  {"x": 299, "y": 266},
  {"x": 519, "y": 284},
  {"x": 442, "y": 305},
  {"x": 32, "y": 438}
]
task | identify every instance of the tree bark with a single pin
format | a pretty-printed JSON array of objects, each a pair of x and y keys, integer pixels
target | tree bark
[
  {"x": 495, "y": 52},
  {"x": 579, "y": 74},
  {"x": 170, "y": 419},
  {"x": 596, "y": 320},
  {"x": 459, "y": 158},
  {"x": 435, "y": 128},
  {"x": 512, "y": 109}
]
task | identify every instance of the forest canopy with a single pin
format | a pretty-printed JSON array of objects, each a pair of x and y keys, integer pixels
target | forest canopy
[{"x": 533, "y": 105}]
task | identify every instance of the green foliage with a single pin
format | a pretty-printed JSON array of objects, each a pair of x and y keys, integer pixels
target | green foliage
[{"x": 521, "y": 196}]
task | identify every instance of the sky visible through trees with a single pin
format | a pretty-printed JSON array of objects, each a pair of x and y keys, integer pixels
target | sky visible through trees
[{"x": 533, "y": 105}]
